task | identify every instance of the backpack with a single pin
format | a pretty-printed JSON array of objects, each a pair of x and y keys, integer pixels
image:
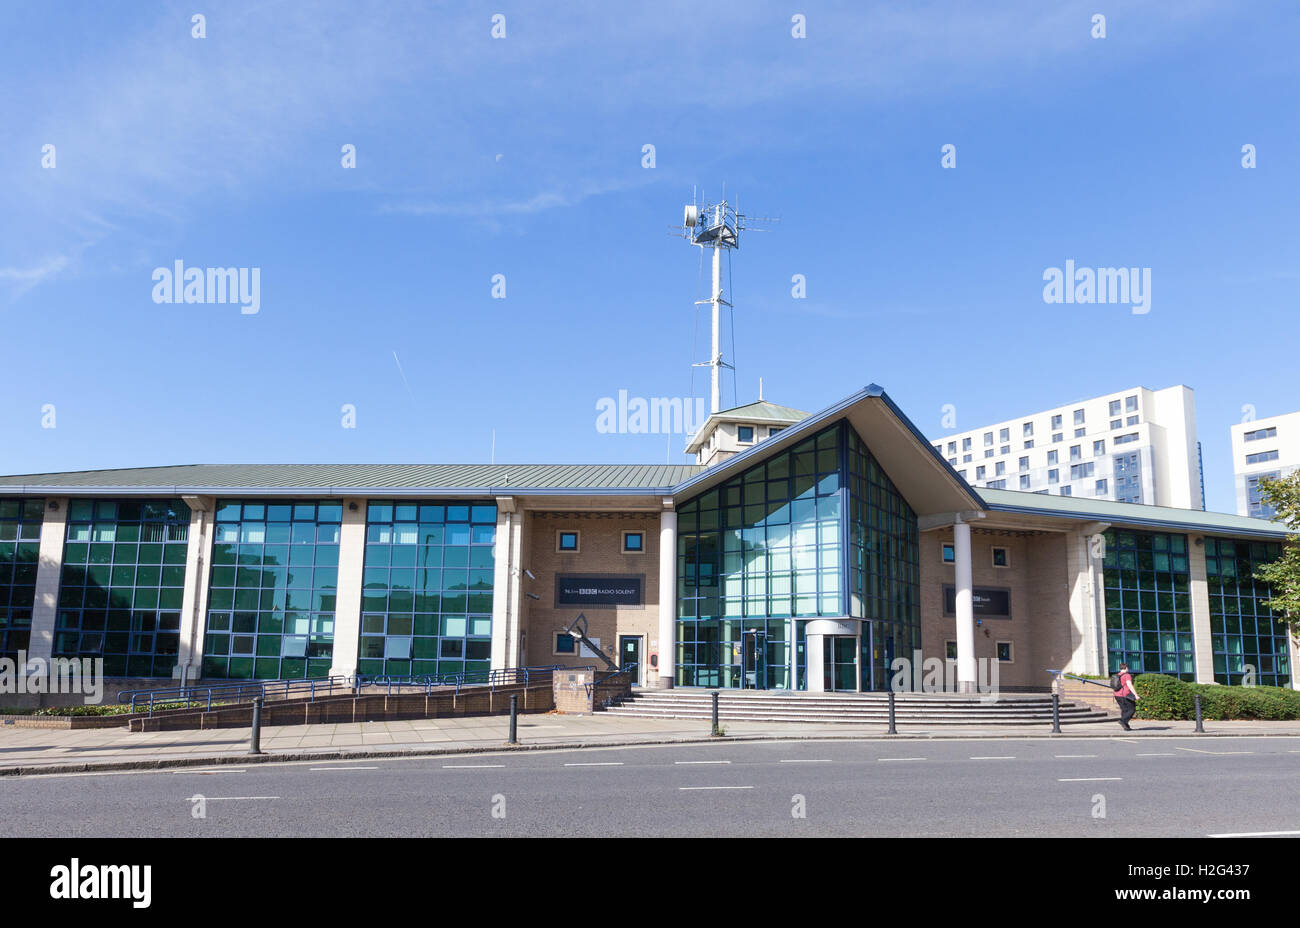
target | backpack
[{"x": 1116, "y": 683}]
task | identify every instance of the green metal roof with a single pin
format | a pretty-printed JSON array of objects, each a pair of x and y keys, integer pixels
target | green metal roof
[
  {"x": 1129, "y": 513},
  {"x": 335, "y": 479},
  {"x": 763, "y": 410}
]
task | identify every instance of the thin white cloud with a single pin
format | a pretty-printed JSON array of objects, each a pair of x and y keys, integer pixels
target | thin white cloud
[
  {"x": 25, "y": 278},
  {"x": 536, "y": 204},
  {"x": 154, "y": 127}
]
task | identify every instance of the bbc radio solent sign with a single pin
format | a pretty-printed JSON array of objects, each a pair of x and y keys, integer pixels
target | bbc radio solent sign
[
  {"x": 599, "y": 590},
  {"x": 989, "y": 602}
]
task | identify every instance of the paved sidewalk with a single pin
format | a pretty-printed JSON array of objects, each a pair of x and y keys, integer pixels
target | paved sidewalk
[{"x": 35, "y": 750}]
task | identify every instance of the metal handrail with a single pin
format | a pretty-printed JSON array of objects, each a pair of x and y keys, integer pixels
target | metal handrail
[
  {"x": 1074, "y": 676},
  {"x": 247, "y": 690},
  {"x": 503, "y": 676},
  {"x": 229, "y": 692},
  {"x": 591, "y": 687}
]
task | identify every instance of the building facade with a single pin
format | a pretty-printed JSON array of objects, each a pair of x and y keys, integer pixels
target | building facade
[
  {"x": 1134, "y": 446},
  {"x": 1263, "y": 449},
  {"x": 812, "y": 558}
]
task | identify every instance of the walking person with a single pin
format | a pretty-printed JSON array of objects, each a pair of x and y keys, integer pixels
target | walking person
[{"x": 1126, "y": 696}]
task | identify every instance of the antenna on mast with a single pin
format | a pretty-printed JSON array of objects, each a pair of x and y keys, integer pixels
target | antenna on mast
[{"x": 716, "y": 226}]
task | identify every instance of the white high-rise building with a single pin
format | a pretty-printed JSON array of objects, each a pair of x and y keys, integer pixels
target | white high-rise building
[
  {"x": 1132, "y": 446},
  {"x": 1268, "y": 447}
]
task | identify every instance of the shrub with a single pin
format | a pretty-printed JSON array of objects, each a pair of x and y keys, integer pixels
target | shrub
[
  {"x": 1163, "y": 697},
  {"x": 64, "y": 711}
]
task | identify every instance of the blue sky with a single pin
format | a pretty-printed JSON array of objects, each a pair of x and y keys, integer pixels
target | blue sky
[{"x": 522, "y": 156}]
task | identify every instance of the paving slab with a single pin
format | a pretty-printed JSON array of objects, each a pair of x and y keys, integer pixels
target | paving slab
[{"x": 51, "y": 750}]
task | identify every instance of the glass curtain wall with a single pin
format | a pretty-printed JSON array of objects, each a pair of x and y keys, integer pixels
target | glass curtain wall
[
  {"x": 884, "y": 566},
  {"x": 1148, "y": 604},
  {"x": 427, "y": 599},
  {"x": 1246, "y": 635},
  {"x": 122, "y": 584},
  {"x": 20, "y": 550},
  {"x": 764, "y": 552},
  {"x": 273, "y": 589}
]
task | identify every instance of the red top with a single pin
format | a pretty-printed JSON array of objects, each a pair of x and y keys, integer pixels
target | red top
[{"x": 1125, "y": 686}]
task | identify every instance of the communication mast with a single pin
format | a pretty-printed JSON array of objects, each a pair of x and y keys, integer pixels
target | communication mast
[{"x": 716, "y": 226}]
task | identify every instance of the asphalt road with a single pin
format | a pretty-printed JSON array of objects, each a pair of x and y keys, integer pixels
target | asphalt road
[{"x": 1146, "y": 786}]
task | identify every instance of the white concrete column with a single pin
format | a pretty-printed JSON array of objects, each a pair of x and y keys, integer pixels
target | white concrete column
[
  {"x": 814, "y": 662},
  {"x": 506, "y": 585},
  {"x": 1202, "y": 644},
  {"x": 667, "y": 595},
  {"x": 194, "y": 603},
  {"x": 857, "y": 662},
  {"x": 1294, "y": 648},
  {"x": 1084, "y": 553},
  {"x": 49, "y": 569},
  {"x": 965, "y": 610},
  {"x": 1097, "y": 587},
  {"x": 794, "y": 655},
  {"x": 347, "y": 607}
]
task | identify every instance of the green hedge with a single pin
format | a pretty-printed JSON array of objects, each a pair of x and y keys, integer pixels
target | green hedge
[
  {"x": 1165, "y": 697},
  {"x": 64, "y": 711},
  {"x": 123, "y": 709}
]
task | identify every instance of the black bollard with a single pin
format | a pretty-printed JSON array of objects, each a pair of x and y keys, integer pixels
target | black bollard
[
  {"x": 893, "y": 729},
  {"x": 1200, "y": 728},
  {"x": 255, "y": 743},
  {"x": 716, "y": 732},
  {"x": 514, "y": 718},
  {"x": 1056, "y": 713}
]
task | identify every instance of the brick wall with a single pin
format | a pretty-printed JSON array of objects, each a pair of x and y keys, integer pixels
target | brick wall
[
  {"x": 600, "y": 552},
  {"x": 1039, "y": 627}
]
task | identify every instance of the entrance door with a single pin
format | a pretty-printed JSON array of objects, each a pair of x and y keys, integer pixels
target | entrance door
[
  {"x": 840, "y": 663},
  {"x": 629, "y": 655},
  {"x": 754, "y": 660}
]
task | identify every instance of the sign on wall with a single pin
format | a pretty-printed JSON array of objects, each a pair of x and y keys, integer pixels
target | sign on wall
[
  {"x": 989, "y": 602},
  {"x": 600, "y": 590}
]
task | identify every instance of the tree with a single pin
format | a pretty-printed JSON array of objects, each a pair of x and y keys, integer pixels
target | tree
[{"x": 1283, "y": 574}]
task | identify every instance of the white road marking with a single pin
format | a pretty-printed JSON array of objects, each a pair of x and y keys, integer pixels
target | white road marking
[
  {"x": 995, "y": 757},
  {"x": 1255, "y": 834},
  {"x": 616, "y": 763},
  {"x": 318, "y": 769},
  {"x": 1075, "y": 755},
  {"x": 682, "y": 763},
  {"x": 1199, "y": 751},
  {"x": 231, "y": 798},
  {"x": 883, "y": 759},
  {"x": 236, "y": 770},
  {"x": 469, "y": 766},
  {"x": 1163, "y": 754},
  {"x": 808, "y": 761},
  {"x": 1084, "y": 779},
  {"x": 690, "y": 788}
]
